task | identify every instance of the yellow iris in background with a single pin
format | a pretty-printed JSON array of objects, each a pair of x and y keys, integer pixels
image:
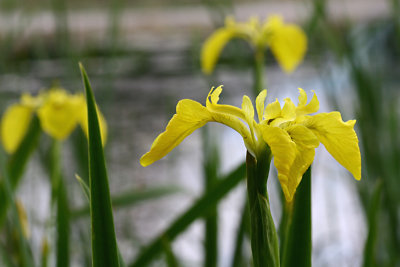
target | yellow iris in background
[
  {"x": 58, "y": 111},
  {"x": 289, "y": 131},
  {"x": 288, "y": 42}
]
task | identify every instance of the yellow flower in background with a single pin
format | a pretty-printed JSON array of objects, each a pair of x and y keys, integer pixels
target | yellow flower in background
[
  {"x": 58, "y": 111},
  {"x": 289, "y": 131},
  {"x": 288, "y": 42}
]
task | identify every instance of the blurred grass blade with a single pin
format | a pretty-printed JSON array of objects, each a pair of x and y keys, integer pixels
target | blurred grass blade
[
  {"x": 170, "y": 257},
  {"x": 197, "y": 210},
  {"x": 298, "y": 247},
  {"x": 60, "y": 198},
  {"x": 86, "y": 191},
  {"x": 5, "y": 259},
  {"x": 62, "y": 226},
  {"x": 17, "y": 162},
  {"x": 373, "y": 219},
  {"x": 237, "y": 259},
  {"x": 44, "y": 257},
  {"x": 104, "y": 244},
  {"x": 210, "y": 170},
  {"x": 128, "y": 199},
  {"x": 25, "y": 256}
]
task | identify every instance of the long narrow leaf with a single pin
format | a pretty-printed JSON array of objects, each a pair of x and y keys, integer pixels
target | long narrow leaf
[
  {"x": 237, "y": 258},
  {"x": 197, "y": 210},
  {"x": 127, "y": 199},
  {"x": 17, "y": 162},
  {"x": 373, "y": 222},
  {"x": 169, "y": 254},
  {"x": 211, "y": 168},
  {"x": 104, "y": 244},
  {"x": 298, "y": 245},
  {"x": 25, "y": 254}
]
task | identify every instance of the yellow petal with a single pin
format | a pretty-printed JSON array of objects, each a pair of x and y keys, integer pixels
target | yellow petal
[
  {"x": 213, "y": 46},
  {"x": 303, "y": 108},
  {"x": 248, "y": 110},
  {"x": 60, "y": 113},
  {"x": 339, "y": 138},
  {"x": 260, "y": 104},
  {"x": 190, "y": 115},
  {"x": 306, "y": 142},
  {"x": 284, "y": 151},
  {"x": 32, "y": 101},
  {"x": 288, "y": 113},
  {"x": 14, "y": 125},
  {"x": 212, "y": 104},
  {"x": 230, "y": 116},
  {"x": 288, "y": 43},
  {"x": 273, "y": 110}
]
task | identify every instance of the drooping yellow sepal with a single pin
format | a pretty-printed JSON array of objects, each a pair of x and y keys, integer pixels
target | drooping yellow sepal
[
  {"x": 190, "y": 115},
  {"x": 14, "y": 126},
  {"x": 212, "y": 48},
  {"x": 339, "y": 138},
  {"x": 288, "y": 42}
]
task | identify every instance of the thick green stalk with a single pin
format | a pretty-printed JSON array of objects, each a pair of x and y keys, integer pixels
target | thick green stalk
[
  {"x": 258, "y": 71},
  {"x": 264, "y": 239},
  {"x": 297, "y": 242}
]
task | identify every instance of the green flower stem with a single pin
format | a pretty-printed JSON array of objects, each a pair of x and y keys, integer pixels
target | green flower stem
[
  {"x": 258, "y": 71},
  {"x": 60, "y": 196},
  {"x": 297, "y": 240},
  {"x": 264, "y": 239}
]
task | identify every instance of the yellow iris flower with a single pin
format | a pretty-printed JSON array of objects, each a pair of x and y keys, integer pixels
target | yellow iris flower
[
  {"x": 290, "y": 133},
  {"x": 59, "y": 113},
  {"x": 288, "y": 42}
]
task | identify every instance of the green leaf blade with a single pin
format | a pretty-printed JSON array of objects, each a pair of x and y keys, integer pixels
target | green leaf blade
[
  {"x": 104, "y": 244},
  {"x": 197, "y": 210}
]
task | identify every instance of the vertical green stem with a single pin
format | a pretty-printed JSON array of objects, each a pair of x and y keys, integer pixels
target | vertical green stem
[
  {"x": 297, "y": 242},
  {"x": 264, "y": 239},
  {"x": 258, "y": 71},
  {"x": 59, "y": 195}
]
